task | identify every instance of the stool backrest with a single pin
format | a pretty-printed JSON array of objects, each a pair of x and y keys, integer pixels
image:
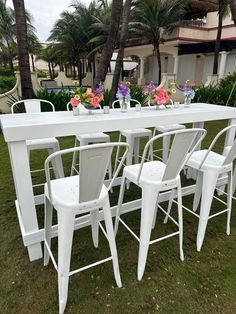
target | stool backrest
[
  {"x": 31, "y": 105},
  {"x": 94, "y": 160},
  {"x": 184, "y": 143},
  {"x": 117, "y": 101},
  {"x": 230, "y": 156}
]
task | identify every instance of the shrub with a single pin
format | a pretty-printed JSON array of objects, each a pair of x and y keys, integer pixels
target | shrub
[
  {"x": 6, "y": 83},
  {"x": 41, "y": 74},
  {"x": 59, "y": 99},
  {"x": 218, "y": 94},
  {"x": 5, "y": 72},
  {"x": 136, "y": 92}
]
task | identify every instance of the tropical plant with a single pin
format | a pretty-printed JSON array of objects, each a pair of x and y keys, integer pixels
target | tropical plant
[
  {"x": 221, "y": 94},
  {"x": 152, "y": 18},
  {"x": 6, "y": 83},
  {"x": 109, "y": 46},
  {"x": 121, "y": 45},
  {"x": 59, "y": 99},
  {"x": 222, "y": 12},
  {"x": 49, "y": 55},
  {"x": 23, "y": 51}
]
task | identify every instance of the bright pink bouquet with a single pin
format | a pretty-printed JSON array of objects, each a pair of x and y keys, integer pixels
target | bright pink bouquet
[{"x": 89, "y": 97}]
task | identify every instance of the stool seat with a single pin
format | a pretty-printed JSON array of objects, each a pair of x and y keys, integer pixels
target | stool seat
[
  {"x": 136, "y": 132},
  {"x": 44, "y": 143},
  {"x": 170, "y": 127},
  {"x": 94, "y": 137}
]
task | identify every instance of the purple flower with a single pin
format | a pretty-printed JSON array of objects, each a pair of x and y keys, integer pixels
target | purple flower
[
  {"x": 123, "y": 91},
  {"x": 99, "y": 90}
]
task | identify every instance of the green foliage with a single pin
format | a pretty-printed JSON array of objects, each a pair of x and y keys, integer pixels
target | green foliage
[
  {"x": 5, "y": 72},
  {"x": 41, "y": 74},
  {"x": 136, "y": 92},
  {"x": 218, "y": 94},
  {"x": 106, "y": 97},
  {"x": 6, "y": 83},
  {"x": 59, "y": 99}
]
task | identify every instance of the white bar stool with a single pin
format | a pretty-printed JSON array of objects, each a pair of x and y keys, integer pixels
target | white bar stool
[
  {"x": 86, "y": 139},
  {"x": 132, "y": 138},
  {"x": 76, "y": 195},
  {"x": 32, "y": 106}
]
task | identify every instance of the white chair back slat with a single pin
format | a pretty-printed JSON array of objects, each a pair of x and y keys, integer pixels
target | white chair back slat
[
  {"x": 180, "y": 147},
  {"x": 231, "y": 154},
  {"x": 31, "y": 105},
  {"x": 94, "y": 161},
  {"x": 93, "y": 168}
]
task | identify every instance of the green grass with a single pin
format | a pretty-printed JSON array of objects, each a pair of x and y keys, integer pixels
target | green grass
[{"x": 205, "y": 282}]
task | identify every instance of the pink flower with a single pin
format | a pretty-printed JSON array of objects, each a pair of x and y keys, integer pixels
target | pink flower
[
  {"x": 95, "y": 101},
  {"x": 161, "y": 96},
  {"x": 89, "y": 92},
  {"x": 74, "y": 102},
  {"x": 173, "y": 90}
]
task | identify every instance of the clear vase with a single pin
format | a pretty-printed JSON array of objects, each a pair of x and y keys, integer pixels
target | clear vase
[
  {"x": 75, "y": 111},
  {"x": 187, "y": 101},
  {"x": 123, "y": 105}
]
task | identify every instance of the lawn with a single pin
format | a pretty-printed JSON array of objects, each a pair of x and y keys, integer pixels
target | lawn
[{"x": 205, "y": 282}]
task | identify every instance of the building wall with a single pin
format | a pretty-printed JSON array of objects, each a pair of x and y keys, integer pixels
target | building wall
[{"x": 191, "y": 67}]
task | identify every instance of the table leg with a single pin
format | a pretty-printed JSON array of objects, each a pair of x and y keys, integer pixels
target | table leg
[{"x": 24, "y": 192}]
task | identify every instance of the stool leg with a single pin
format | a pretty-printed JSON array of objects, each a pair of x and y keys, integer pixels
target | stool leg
[
  {"x": 208, "y": 188},
  {"x": 180, "y": 216},
  {"x": 112, "y": 243},
  {"x": 149, "y": 200},
  {"x": 94, "y": 216},
  {"x": 136, "y": 150},
  {"x": 229, "y": 201},
  {"x": 121, "y": 196},
  {"x": 65, "y": 237},
  {"x": 198, "y": 191},
  {"x": 129, "y": 156},
  {"x": 172, "y": 195},
  {"x": 75, "y": 154},
  {"x": 48, "y": 210},
  {"x": 117, "y": 155}
]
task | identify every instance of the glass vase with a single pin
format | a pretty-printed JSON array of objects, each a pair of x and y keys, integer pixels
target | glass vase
[
  {"x": 75, "y": 111},
  {"x": 123, "y": 105},
  {"x": 187, "y": 101}
]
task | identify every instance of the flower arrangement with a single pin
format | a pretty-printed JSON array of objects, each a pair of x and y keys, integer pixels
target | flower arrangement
[
  {"x": 158, "y": 95},
  {"x": 123, "y": 92},
  {"x": 89, "y": 97},
  {"x": 188, "y": 89}
]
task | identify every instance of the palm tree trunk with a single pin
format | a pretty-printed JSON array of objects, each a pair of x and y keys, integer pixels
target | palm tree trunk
[
  {"x": 32, "y": 61},
  {"x": 23, "y": 52},
  {"x": 50, "y": 70},
  {"x": 158, "y": 54},
  {"x": 232, "y": 4},
  {"x": 218, "y": 37},
  {"x": 108, "y": 48},
  {"x": 120, "y": 56}
]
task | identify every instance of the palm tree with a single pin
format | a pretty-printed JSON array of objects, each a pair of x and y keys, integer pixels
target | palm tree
[
  {"x": 7, "y": 32},
  {"x": 109, "y": 46},
  {"x": 232, "y": 4},
  {"x": 49, "y": 55},
  {"x": 34, "y": 48},
  {"x": 222, "y": 11},
  {"x": 122, "y": 42},
  {"x": 152, "y": 17},
  {"x": 23, "y": 52}
]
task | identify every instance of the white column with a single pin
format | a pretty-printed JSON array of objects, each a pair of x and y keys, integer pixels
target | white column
[
  {"x": 222, "y": 66},
  {"x": 176, "y": 64},
  {"x": 141, "y": 80}
]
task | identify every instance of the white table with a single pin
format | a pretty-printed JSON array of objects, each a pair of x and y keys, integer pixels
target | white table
[{"x": 21, "y": 127}]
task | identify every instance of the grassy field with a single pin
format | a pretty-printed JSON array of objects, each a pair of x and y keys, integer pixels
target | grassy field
[{"x": 204, "y": 283}]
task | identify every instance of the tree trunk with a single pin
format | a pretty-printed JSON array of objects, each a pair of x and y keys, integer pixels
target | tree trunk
[
  {"x": 108, "y": 48},
  {"x": 23, "y": 52},
  {"x": 218, "y": 37},
  {"x": 120, "y": 56},
  {"x": 32, "y": 61},
  {"x": 158, "y": 54},
  {"x": 232, "y": 4},
  {"x": 50, "y": 70}
]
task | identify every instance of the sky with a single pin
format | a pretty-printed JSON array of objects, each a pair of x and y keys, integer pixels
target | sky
[{"x": 45, "y": 14}]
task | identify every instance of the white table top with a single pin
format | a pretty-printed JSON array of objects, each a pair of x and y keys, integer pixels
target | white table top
[{"x": 21, "y": 127}]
